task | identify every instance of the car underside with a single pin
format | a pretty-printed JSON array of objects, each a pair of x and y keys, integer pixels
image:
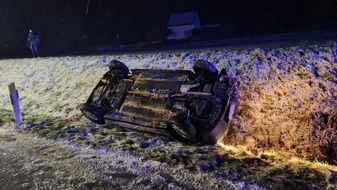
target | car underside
[{"x": 190, "y": 106}]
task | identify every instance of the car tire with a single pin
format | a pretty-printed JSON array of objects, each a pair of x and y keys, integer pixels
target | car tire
[
  {"x": 180, "y": 129},
  {"x": 176, "y": 132},
  {"x": 208, "y": 69},
  {"x": 119, "y": 66},
  {"x": 93, "y": 113}
]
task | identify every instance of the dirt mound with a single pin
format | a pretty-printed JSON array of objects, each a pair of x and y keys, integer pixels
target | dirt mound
[{"x": 288, "y": 101}]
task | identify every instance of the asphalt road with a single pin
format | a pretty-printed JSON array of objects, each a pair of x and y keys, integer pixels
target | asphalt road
[
  {"x": 281, "y": 40},
  {"x": 34, "y": 163}
]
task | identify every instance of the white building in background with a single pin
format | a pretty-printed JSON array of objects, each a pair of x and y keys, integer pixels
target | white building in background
[{"x": 182, "y": 24}]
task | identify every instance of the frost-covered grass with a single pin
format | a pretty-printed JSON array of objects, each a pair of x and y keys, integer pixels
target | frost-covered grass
[{"x": 286, "y": 108}]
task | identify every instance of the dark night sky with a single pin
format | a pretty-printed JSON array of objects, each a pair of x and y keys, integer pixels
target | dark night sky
[{"x": 62, "y": 24}]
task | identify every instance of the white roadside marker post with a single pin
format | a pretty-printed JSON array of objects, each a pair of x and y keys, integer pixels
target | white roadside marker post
[{"x": 14, "y": 95}]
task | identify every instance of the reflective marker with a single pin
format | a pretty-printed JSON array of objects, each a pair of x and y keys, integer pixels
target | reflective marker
[{"x": 14, "y": 95}]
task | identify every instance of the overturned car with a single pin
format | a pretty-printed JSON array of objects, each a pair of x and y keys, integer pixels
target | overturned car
[{"x": 190, "y": 106}]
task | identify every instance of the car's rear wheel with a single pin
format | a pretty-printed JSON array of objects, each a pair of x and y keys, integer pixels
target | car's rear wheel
[
  {"x": 93, "y": 113},
  {"x": 118, "y": 66},
  {"x": 206, "y": 68}
]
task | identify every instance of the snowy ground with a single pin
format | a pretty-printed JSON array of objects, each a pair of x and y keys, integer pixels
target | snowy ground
[{"x": 287, "y": 104}]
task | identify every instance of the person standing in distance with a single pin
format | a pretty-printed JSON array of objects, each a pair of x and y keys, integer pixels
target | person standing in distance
[{"x": 33, "y": 42}]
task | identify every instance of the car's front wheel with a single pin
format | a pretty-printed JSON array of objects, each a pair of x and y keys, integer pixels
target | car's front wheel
[
  {"x": 203, "y": 67},
  {"x": 182, "y": 130}
]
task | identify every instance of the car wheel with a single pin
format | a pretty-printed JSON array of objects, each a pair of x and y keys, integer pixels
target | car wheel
[
  {"x": 208, "y": 69},
  {"x": 93, "y": 113},
  {"x": 178, "y": 133},
  {"x": 180, "y": 129},
  {"x": 117, "y": 65}
]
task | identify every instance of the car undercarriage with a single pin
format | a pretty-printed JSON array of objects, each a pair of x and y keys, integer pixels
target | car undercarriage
[{"x": 190, "y": 106}]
